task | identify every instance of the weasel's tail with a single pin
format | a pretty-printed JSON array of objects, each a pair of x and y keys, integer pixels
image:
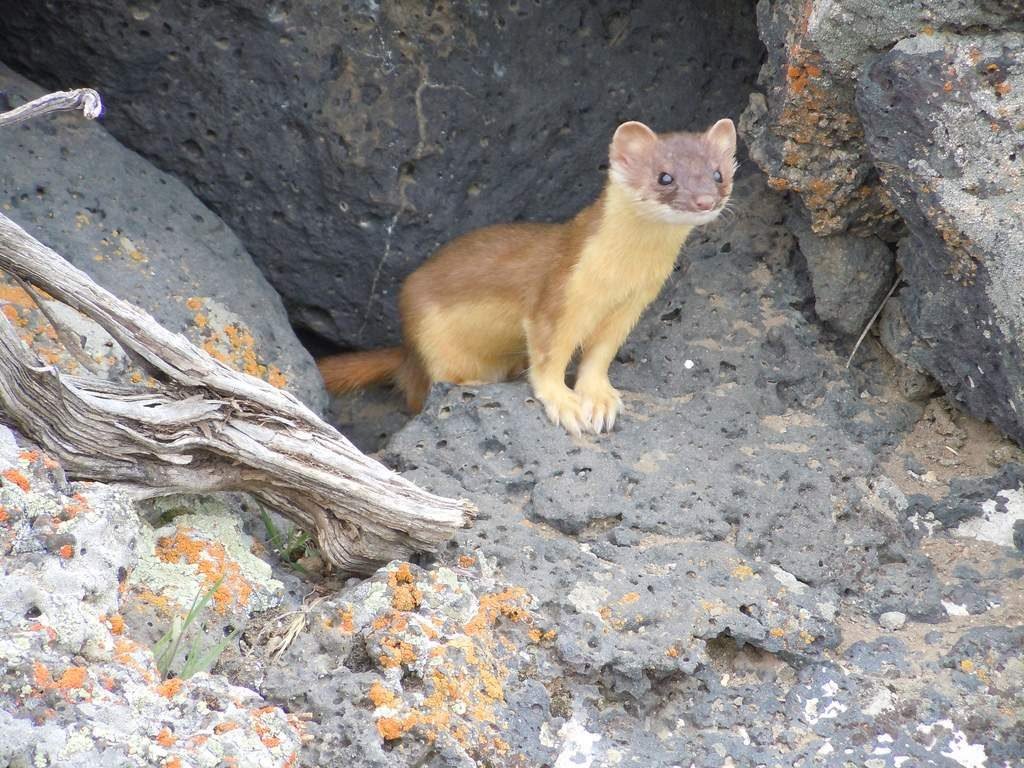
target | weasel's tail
[{"x": 355, "y": 370}]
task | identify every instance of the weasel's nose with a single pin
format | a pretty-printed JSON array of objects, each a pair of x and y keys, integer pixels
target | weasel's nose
[{"x": 704, "y": 202}]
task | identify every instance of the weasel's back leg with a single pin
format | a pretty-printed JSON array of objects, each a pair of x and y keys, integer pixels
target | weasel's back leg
[{"x": 469, "y": 343}]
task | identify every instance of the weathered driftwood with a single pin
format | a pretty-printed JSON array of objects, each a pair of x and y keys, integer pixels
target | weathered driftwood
[
  {"x": 203, "y": 427},
  {"x": 85, "y": 99}
]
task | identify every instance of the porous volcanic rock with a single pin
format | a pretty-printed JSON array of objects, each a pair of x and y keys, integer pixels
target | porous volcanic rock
[
  {"x": 344, "y": 142},
  {"x": 696, "y": 568},
  {"x": 889, "y": 117},
  {"x": 850, "y": 275},
  {"x": 78, "y": 686},
  {"x": 803, "y": 128},
  {"x": 944, "y": 117},
  {"x": 144, "y": 236}
]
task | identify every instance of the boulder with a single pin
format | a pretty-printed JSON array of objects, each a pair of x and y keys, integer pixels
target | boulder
[
  {"x": 850, "y": 276},
  {"x": 887, "y": 117},
  {"x": 943, "y": 117},
  {"x": 81, "y": 686},
  {"x": 142, "y": 235},
  {"x": 344, "y": 142},
  {"x": 804, "y": 130}
]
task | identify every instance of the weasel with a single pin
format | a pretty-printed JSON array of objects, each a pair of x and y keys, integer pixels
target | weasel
[{"x": 514, "y": 298}]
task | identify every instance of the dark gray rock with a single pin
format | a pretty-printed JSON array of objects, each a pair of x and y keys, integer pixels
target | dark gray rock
[
  {"x": 142, "y": 235},
  {"x": 892, "y": 620},
  {"x": 804, "y": 130},
  {"x": 850, "y": 275},
  {"x": 908, "y": 587},
  {"x": 344, "y": 142},
  {"x": 923, "y": 105},
  {"x": 759, "y": 443},
  {"x": 967, "y": 496},
  {"x": 907, "y": 350}
]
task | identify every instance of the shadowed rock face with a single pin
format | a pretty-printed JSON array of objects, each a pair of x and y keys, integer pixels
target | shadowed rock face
[
  {"x": 945, "y": 120},
  {"x": 343, "y": 142},
  {"x": 904, "y": 121}
]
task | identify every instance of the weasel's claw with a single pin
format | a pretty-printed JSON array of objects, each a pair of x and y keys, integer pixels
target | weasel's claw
[
  {"x": 601, "y": 405},
  {"x": 565, "y": 409}
]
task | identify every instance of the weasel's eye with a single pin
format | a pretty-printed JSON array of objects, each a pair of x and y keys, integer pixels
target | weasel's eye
[
  {"x": 665, "y": 179},
  {"x": 717, "y": 176}
]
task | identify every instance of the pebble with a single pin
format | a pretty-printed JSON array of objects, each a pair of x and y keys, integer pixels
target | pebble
[{"x": 892, "y": 619}]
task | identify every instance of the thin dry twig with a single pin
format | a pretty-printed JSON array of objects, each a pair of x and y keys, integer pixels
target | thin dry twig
[{"x": 871, "y": 322}]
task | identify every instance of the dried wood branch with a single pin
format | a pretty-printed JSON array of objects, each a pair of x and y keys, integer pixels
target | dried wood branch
[
  {"x": 85, "y": 99},
  {"x": 204, "y": 427}
]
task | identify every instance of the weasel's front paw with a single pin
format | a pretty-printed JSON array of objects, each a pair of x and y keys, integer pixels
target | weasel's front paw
[
  {"x": 563, "y": 407},
  {"x": 601, "y": 403}
]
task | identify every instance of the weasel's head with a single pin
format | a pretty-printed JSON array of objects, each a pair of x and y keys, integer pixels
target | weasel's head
[{"x": 677, "y": 178}]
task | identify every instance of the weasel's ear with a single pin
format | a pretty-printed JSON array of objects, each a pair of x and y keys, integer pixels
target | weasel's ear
[
  {"x": 629, "y": 143},
  {"x": 722, "y": 136}
]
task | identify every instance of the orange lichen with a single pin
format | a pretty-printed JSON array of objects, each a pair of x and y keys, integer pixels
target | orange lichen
[
  {"x": 169, "y": 688},
  {"x": 75, "y": 506},
  {"x": 11, "y": 313},
  {"x": 1003, "y": 88},
  {"x": 396, "y": 653},
  {"x": 407, "y": 596},
  {"x": 11, "y": 294},
  {"x": 798, "y": 76},
  {"x": 777, "y": 632},
  {"x": 465, "y": 561},
  {"x": 381, "y": 696},
  {"x": 66, "y": 551},
  {"x": 173, "y": 762},
  {"x": 347, "y": 625},
  {"x": 224, "y": 727},
  {"x": 116, "y": 624},
  {"x": 130, "y": 654},
  {"x": 160, "y": 602},
  {"x": 41, "y": 675},
  {"x": 71, "y": 679},
  {"x": 743, "y": 572},
  {"x": 947, "y": 86},
  {"x": 672, "y": 652},
  {"x": 629, "y": 597},
  {"x": 504, "y": 603},
  {"x": 28, "y": 455},
  {"x": 194, "y": 303},
  {"x": 4, "y": 517},
  {"x": 16, "y": 477},
  {"x": 391, "y": 728},
  {"x": 212, "y": 561},
  {"x": 276, "y": 378},
  {"x": 165, "y": 738}
]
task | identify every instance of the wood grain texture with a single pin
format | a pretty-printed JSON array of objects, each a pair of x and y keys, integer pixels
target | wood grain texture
[{"x": 202, "y": 426}]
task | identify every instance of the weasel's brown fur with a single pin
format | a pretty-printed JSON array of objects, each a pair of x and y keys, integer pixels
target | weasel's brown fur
[{"x": 524, "y": 297}]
